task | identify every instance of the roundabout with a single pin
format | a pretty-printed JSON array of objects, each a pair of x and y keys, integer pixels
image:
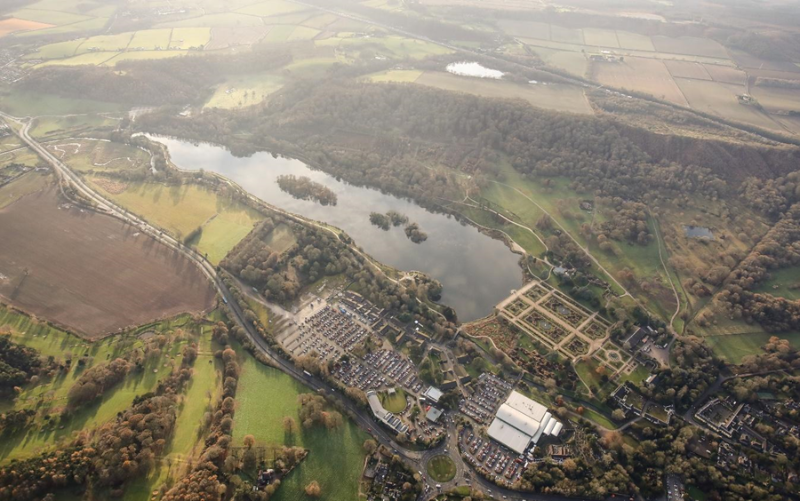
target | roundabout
[{"x": 441, "y": 468}]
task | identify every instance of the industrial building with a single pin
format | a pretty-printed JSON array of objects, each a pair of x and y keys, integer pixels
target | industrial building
[{"x": 520, "y": 422}]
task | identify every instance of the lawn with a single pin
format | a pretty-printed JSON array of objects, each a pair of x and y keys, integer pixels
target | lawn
[
  {"x": 50, "y": 395},
  {"x": 394, "y": 403},
  {"x": 245, "y": 90},
  {"x": 637, "y": 375},
  {"x": 441, "y": 468},
  {"x": 264, "y": 397},
  {"x": 182, "y": 209}
]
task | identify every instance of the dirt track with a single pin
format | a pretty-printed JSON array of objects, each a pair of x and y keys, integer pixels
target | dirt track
[{"x": 89, "y": 272}]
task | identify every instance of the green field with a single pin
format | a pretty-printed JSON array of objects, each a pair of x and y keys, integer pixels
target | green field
[
  {"x": 264, "y": 397},
  {"x": 56, "y": 50},
  {"x": 110, "y": 43},
  {"x": 181, "y": 209},
  {"x": 442, "y": 468},
  {"x": 734, "y": 347},
  {"x": 93, "y": 58},
  {"x": 782, "y": 283},
  {"x": 151, "y": 39},
  {"x": 50, "y": 395},
  {"x": 245, "y": 90},
  {"x": 405, "y": 76},
  {"x": 394, "y": 403},
  {"x": 186, "y": 38},
  {"x": 202, "y": 393}
]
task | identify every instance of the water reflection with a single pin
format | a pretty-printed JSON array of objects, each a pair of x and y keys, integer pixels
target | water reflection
[{"x": 476, "y": 271}]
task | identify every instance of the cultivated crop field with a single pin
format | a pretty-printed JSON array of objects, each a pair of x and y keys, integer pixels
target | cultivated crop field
[
  {"x": 13, "y": 25},
  {"x": 642, "y": 75},
  {"x": 687, "y": 69},
  {"x": 692, "y": 46},
  {"x": 94, "y": 274},
  {"x": 720, "y": 99}
]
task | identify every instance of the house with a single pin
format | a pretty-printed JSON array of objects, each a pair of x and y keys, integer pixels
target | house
[{"x": 634, "y": 339}]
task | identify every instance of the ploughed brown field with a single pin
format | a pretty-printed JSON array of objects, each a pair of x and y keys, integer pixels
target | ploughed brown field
[{"x": 89, "y": 272}]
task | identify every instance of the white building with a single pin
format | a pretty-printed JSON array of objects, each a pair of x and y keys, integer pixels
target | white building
[
  {"x": 521, "y": 421},
  {"x": 383, "y": 415}
]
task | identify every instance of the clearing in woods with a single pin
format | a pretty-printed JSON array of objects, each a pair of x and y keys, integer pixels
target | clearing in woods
[
  {"x": 551, "y": 96},
  {"x": 239, "y": 91},
  {"x": 96, "y": 275}
]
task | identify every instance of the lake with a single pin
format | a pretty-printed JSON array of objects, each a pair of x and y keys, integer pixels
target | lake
[
  {"x": 698, "y": 232},
  {"x": 477, "y": 271}
]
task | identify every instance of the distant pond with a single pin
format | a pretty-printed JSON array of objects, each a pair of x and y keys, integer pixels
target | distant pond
[
  {"x": 477, "y": 271},
  {"x": 698, "y": 232}
]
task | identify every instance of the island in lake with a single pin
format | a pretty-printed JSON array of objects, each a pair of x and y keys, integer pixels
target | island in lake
[
  {"x": 394, "y": 218},
  {"x": 305, "y": 189}
]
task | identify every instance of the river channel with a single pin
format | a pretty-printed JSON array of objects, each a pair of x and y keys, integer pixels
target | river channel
[{"x": 476, "y": 270}]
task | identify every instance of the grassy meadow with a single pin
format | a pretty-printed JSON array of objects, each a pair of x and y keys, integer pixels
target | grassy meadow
[{"x": 264, "y": 397}]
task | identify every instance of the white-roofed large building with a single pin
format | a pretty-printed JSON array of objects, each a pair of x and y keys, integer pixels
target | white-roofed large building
[{"x": 521, "y": 421}]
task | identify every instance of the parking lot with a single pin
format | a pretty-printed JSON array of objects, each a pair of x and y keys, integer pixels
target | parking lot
[
  {"x": 491, "y": 459},
  {"x": 490, "y": 393},
  {"x": 326, "y": 330},
  {"x": 396, "y": 368}
]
